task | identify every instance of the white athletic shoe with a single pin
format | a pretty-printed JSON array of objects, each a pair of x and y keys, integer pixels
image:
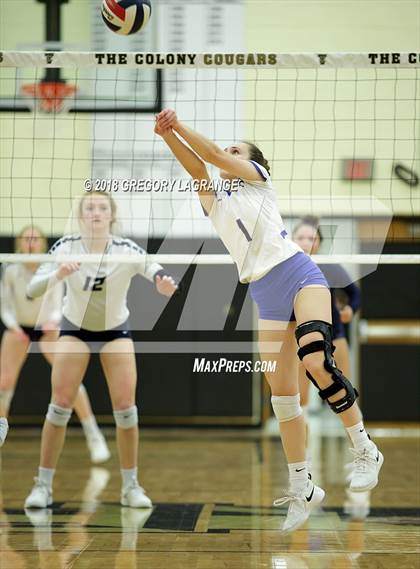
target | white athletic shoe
[
  {"x": 348, "y": 471},
  {"x": 99, "y": 451},
  {"x": 39, "y": 518},
  {"x": 40, "y": 496},
  {"x": 301, "y": 505},
  {"x": 367, "y": 464},
  {"x": 4, "y": 427},
  {"x": 135, "y": 496}
]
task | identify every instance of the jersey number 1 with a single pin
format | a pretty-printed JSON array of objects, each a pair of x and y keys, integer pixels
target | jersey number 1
[{"x": 97, "y": 283}]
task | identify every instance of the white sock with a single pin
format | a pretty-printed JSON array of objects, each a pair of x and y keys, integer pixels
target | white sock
[
  {"x": 359, "y": 437},
  {"x": 46, "y": 475},
  {"x": 298, "y": 475},
  {"x": 128, "y": 475},
  {"x": 90, "y": 427}
]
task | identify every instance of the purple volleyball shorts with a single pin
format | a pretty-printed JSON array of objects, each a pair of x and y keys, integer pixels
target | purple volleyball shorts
[{"x": 274, "y": 293}]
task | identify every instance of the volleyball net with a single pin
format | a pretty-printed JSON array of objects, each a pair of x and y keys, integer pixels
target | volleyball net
[{"x": 340, "y": 132}]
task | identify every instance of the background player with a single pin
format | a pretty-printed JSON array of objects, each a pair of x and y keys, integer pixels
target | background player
[
  {"x": 36, "y": 320},
  {"x": 308, "y": 236},
  {"x": 95, "y": 312},
  {"x": 282, "y": 280}
]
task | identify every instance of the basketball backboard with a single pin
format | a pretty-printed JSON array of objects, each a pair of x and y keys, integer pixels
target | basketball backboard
[{"x": 74, "y": 25}]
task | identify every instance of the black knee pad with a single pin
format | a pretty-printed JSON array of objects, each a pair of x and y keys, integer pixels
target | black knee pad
[{"x": 339, "y": 380}]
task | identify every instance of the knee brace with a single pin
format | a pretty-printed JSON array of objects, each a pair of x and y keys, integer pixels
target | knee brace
[
  {"x": 339, "y": 380},
  {"x": 6, "y": 397},
  {"x": 126, "y": 418},
  {"x": 286, "y": 407},
  {"x": 58, "y": 416}
]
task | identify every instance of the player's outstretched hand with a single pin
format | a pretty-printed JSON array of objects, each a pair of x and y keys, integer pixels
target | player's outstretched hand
[
  {"x": 346, "y": 314},
  {"x": 159, "y": 129},
  {"x": 167, "y": 119},
  {"x": 166, "y": 285},
  {"x": 67, "y": 269}
]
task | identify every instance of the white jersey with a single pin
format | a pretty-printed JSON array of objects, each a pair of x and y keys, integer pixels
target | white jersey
[
  {"x": 249, "y": 224},
  {"x": 96, "y": 294},
  {"x": 17, "y": 309}
]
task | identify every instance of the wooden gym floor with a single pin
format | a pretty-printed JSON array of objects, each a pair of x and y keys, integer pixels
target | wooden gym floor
[{"x": 212, "y": 492}]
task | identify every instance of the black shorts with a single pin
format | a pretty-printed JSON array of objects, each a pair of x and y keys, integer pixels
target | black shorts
[
  {"x": 34, "y": 334},
  {"x": 99, "y": 338}
]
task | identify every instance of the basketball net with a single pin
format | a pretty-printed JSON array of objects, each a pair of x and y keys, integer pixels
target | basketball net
[{"x": 49, "y": 96}]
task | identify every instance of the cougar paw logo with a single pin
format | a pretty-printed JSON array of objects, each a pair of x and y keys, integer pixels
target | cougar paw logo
[
  {"x": 49, "y": 57},
  {"x": 322, "y": 58}
]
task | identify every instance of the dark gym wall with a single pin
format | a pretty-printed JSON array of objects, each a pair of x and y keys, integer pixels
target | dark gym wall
[{"x": 168, "y": 390}]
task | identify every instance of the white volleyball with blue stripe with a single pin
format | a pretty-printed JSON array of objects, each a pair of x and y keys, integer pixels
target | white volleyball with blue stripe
[{"x": 126, "y": 16}]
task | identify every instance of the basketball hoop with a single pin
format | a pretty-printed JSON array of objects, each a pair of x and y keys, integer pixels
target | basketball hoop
[{"x": 49, "y": 96}]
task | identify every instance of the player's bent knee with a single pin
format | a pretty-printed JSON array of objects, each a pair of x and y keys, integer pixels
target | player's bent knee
[
  {"x": 63, "y": 400},
  {"x": 340, "y": 382},
  {"x": 286, "y": 407},
  {"x": 314, "y": 365},
  {"x": 126, "y": 418},
  {"x": 58, "y": 416}
]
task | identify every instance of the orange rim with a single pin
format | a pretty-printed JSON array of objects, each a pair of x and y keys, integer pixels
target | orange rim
[{"x": 49, "y": 97}]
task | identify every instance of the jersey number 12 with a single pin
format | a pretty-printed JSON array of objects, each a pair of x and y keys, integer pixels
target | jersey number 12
[{"x": 97, "y": 283}]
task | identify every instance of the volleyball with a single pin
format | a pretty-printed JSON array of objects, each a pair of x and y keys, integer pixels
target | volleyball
[{"x": 126, "y": 17}]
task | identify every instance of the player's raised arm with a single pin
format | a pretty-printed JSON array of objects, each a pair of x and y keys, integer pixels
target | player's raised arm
[
  {"x": 186, "y": 157},
  {"x": 190, "y": 161},
  {"x": 208, "y": 150}
]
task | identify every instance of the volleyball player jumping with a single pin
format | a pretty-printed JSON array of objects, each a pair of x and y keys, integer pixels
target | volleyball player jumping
[
  {"x": 36, "y": 320},
  {"x": 282, "y": 280},
  {"x": 95, "y": 312}
]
